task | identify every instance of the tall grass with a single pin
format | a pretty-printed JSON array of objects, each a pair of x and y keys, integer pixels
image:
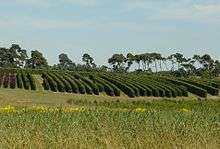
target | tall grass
[{"x": 107, "y": 125}]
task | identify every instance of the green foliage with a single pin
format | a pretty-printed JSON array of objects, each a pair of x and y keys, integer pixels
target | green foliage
[
  {"x": 89, "y": 83},
  {"x": 126, "y": 89},
  {"x": 60, "y": 85},
  {"x": 72, "y": 83},
  {"x": 48, "y": 79},
  {"x": 32, "y": 82},
  {"x": 19, "y": 80},
  {"x": 211, "y": 90},
  {"x": 191, "y": 88},
  {"x": 46, "y": 85},
  {"x": 25, "y": 80}
]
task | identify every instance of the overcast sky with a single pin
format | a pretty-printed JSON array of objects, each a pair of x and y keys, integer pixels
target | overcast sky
[{"x": 104, "y": 27}]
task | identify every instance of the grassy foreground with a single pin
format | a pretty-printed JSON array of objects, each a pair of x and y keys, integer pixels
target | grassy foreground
[{"x": 50, "y": 120}]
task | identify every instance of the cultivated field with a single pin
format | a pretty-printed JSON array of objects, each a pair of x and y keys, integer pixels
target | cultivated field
[{"x": 103, "y": 110}]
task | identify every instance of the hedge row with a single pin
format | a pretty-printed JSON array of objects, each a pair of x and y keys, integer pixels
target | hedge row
[
  {"x": 173, "y": 89},
  {"x": 46, "y": 84},
  {"x": 1, "y": 79},
  {"x": 66, "y": 84},
  {"x": 127, "y": 83},
  {"x": 88, "y": 84},
  {"x": 12, "y": 82},
  {"x": 109, "y": 88},
  {"x": 6, "y": 80},
  {"x": 211, "y": 90},
  {"x": 134, "y": 85},
  {"x": 25, "y": 80},
  {"x": 60, "y": 85},
  {"x": 72, "y": 83},
  {"x": 81, "y": 87},
  {"x": 191, "y": 88},
  {"x": 19, "y": 80},
  {"x": 181, "y": 91},
  {"x": 48, "y": 80},
  {"x": 32, "y": 82},
  {"x": 157, "y": 90},
  {"x": 126, "y": 89}
]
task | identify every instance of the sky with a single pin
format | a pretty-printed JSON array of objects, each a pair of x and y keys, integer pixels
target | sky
[{"x": 104, "y": 27}]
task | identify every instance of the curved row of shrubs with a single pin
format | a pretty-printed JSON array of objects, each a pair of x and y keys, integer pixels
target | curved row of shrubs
[
  {"x": 191, "y": 88},
  {"x": 122, "y": 85},
  {"x": 211, "y": 90}
]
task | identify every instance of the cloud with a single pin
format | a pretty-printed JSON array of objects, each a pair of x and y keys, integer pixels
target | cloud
[{"x": 50, "y": 3}]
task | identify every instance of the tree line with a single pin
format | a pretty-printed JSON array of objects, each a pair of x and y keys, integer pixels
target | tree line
[
  {"x": 177, "y": 63},
  {"x": 174, "y": 63}
]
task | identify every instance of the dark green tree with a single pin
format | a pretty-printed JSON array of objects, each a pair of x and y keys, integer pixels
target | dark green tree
[
  {"x": 13, "y": 57},
  {"x": 65, "y": 63},
  {"x": 37, "y": 61},
  {"x": 88, "y": 60},
  {"x": 118, "y": 62}
]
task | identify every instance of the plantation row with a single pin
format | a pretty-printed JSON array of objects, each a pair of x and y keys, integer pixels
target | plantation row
[
  {"x": 20, "y": 80},
  {"x": 130, "y": 85},
  {"x": 112, "y": 84}
]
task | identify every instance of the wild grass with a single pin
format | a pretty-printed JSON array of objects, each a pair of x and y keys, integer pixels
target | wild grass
[{"x": 69, "y": 122}]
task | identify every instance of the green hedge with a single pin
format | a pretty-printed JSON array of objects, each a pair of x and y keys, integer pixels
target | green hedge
[
  {"x": 19, "y": 81},
  {"x": 126, "y": 89},
  {"x": 32, "y": 82},
  {"x": 89, "y": 83},
  {"x": 107, "y": 87},
  {"x": 211, "y": 90},
  {"x": 25, "y": 80},
  {"x": 73, "y": 85},
  {"x": 46, "y": 85},
  {"x": 80, "y": 85},
  {"x": 191, "y": 88},
  {"x": 1, "y": 79},
  {"x": 52, "y": 83},
  {"x": 66, "y": 83},
  {"x": 60, "y": 85}
]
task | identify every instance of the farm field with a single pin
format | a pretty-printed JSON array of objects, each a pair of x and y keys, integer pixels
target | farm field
[
  {"x": 54, "y": 109},
  {"x": 36, "y": 119}
]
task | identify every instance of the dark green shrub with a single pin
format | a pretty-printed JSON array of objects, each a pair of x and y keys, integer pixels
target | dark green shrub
[
  {"x": 126, "y": 89},
  {"x": 32, "y": 82},
  {"x": 211, "y": 90},
  {"x": 52, "y": 83},
  {"x": 107, "y": 87},
  {"x": 81, "y": 87},
  {"x": 73, "y": 85},
  {"x": 88, "y": 83},
  {"x": 25, "y": 80},
  {"x": 19, "y": 81},
  {"x": 66, "y": 83},
  {"x": 191, "y": 88},
  {"x": 1, "y": 79},
  {"x": 12, "y": 82},
  {"x": 87, "y": 87},
  {"x": 46, "y": 84},
  {"x": 60, "y": 85}
]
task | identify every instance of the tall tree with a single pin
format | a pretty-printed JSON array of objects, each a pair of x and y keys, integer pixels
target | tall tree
[
  {"x": 14, "y": 56},
  {"x": 65, "y": 62},
  {"x": 138, "y": 60},
  {"x": 117, "y": 61},
  {"x": 37, "y": 61},
  {"x": 88, "y": 60},
  {"x": 129, "y": 59}
]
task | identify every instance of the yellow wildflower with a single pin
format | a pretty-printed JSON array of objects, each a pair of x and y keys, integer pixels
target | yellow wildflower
[
  {"x": 39, "y": 109},
  {"x": 184, "y": 110},
  {"x": 72, "y": 109},
  {"x": 140, "y": 110},
  {"x": 8, "y": 109}
]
